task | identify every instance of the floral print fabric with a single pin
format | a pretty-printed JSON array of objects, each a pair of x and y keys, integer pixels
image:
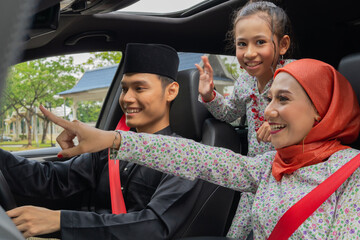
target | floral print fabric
[
  {"x": 244, "y": 100},
  {"x": 336, "y": 218}
]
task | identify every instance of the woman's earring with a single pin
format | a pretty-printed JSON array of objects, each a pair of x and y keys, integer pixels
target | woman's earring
[
  {"x": 303, "y": 143},
  {"x": 282, "y": 60},
  {"x": 317, "y": 120}
]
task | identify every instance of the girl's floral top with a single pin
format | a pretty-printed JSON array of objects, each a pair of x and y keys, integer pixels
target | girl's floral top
[
  {"x": 336, "y": 218},
  {"x": 245, "y": 100}
]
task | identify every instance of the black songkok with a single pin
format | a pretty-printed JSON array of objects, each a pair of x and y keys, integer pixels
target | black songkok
[{"x": 151, "y": 58}]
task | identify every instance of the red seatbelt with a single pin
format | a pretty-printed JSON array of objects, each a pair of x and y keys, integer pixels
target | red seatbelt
[
  {"x": 117, "y": 199},
  {"x": 298, "y": 213}
]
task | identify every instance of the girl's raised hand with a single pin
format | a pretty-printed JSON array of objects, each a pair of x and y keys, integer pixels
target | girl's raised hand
[
  {"x": 263, "y": 134},
  {"x": 206, "y": 81},
  {"x": 90, "y": 139}
]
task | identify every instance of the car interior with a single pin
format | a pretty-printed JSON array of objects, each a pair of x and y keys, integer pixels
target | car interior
[
  {"x": 328, "y": 31},
  {"x": 348, "y": 67}
]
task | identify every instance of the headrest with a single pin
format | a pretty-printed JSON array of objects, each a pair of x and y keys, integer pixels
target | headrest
[
  {"x": 187, "y": 114},
  {"x": 349, "y": 66}
]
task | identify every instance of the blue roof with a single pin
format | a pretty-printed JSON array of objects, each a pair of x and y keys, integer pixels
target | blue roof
[
  {"x": 102, "y": 77},
  {"x": 188, "y": 60},
  {"x": 94, "y": 79}
]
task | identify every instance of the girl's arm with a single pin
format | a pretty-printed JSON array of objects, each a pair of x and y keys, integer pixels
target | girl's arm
[
  {"x": 189, "y": 159},
  {"x": 229, "y": 108}
]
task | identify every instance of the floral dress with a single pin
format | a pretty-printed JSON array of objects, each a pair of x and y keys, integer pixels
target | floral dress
[
  {"x": 337, "y": 218},
  {"x": 245, "y": 100}
]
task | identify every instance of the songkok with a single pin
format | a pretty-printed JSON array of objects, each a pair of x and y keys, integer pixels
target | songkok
[{"x": 151, "y": 58}]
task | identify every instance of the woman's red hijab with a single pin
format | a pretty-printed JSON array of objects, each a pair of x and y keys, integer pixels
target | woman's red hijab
[{"x": 336, "y": 103}]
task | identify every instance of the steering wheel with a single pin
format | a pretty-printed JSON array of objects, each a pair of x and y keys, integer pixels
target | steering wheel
[{"x": 7, "y": 200}]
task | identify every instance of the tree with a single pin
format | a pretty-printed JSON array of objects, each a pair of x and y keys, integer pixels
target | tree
[
  {"x": 102, "y": 59},
  {"x": 232, "y": 67},
  {"x": 88, "y": 111},
  {"x": 34, "y": 82}
]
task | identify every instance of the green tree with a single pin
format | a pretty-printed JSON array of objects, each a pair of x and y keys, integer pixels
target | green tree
[
  {"x": 88, "y": 111},
  {"x": 102, "y": 59},
  {"x": 34, "y": 82},
  {"x": 232, "y": 67}
]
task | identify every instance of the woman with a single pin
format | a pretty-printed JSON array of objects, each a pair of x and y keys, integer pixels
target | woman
[{"x": 312, "y": 112}]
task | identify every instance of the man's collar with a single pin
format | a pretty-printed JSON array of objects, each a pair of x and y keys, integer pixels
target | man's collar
[{"x": 165, "y": 131}]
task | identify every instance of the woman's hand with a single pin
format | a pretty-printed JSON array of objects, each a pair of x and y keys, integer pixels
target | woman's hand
[
  {"x": 206, "y": 81},
  {"x": 90, "y": 139},
  {"x": 32, "y": 221},
  {"x": 263, "y": 134}
]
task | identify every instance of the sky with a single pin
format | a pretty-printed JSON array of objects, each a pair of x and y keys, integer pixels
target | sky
[
  {"x": 161, "y": 6},
  {"x": 80, "y": 57}
]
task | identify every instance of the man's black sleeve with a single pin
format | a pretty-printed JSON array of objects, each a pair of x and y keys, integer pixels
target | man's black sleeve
[
  {"x": 50, "y": 180},
  {"x": 166, "y": 212}
]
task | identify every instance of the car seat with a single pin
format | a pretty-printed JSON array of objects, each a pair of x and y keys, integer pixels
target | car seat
[
  {"x": 349, "y": 66},
  {"x": 190, "y": 119}
]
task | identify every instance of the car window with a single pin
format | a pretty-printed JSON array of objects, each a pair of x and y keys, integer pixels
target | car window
[
  {"x": 233, "y": 66},
  {"x": 226, "y": 71},
  {"x": 71, "y": 86},
  {"x": 74, "y": 87}
]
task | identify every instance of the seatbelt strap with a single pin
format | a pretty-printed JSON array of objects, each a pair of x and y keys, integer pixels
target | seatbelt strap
[
  {"x": 303, "y": 209},
  {"x": 117, "y": 199}
]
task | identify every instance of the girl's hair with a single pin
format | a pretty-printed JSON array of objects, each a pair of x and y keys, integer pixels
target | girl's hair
[{"x": 279, "y": 22}]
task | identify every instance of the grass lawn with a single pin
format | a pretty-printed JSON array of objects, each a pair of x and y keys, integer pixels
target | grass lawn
[{"x": 22, "y": 145}]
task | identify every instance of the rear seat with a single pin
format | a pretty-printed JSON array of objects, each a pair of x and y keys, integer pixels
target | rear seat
[
  {"x": 349, "y": 66},
  {"x": 214, "y": 212}
]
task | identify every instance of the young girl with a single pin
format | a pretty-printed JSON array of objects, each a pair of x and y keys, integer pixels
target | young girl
[
  {"x": 309, "y": 125},
  {"x": 261, "y": 36}
]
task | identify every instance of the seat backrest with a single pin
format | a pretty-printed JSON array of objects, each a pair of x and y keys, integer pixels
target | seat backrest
[
  {"x": 190, "y": 119},
  {"x": 187, "y": 116},
  {"x": 349, "y": 66}
]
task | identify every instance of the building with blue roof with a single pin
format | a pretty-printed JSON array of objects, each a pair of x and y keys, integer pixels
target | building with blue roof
[{"x": 92, "y": 84}]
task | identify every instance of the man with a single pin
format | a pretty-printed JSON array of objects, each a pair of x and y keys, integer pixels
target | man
[{"x": 157, "y": 204}]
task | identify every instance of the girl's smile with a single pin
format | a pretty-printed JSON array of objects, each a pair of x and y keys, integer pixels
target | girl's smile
[
  {"x": 257, "y": 47},
  {"x": 252, "y": 64},
  {"x": 254, "y": 46}
]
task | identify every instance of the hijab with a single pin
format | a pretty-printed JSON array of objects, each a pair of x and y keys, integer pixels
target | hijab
[{"x": 337, "y": 105}]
